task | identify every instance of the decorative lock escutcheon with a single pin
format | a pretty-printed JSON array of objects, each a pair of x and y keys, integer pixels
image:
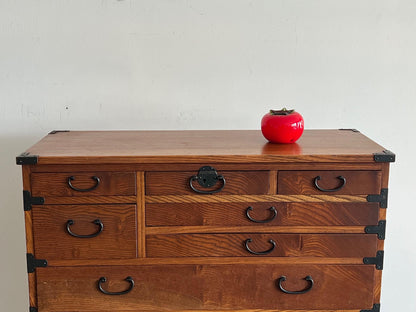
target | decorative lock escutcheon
[{"x": 207, "y": 177}]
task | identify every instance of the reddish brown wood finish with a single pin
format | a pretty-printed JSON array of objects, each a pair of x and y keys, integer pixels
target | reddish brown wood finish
[
  {"x": 30, "y": 248},
  {"x": 182, "y": 287},
  {"x": 240, "y": 182},
  {"x": 141, "y": 215},
  {"x": 129, "y": 167},
  {"x": 186, "y": 251},
  {"x": 213, "y": 146},
  {"x": 287, "y": 245},
  {"x": 116, "y": 241},
  {"x": 111, "y": 183},
  {"x": 302, "y": 182},
  {"x": 287, "y": 214}
]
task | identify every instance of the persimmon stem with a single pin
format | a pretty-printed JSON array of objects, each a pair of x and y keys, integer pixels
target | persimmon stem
[{"x": 283, "y": 111}]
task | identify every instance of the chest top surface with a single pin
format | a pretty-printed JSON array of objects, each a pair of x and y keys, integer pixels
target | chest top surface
[{"x": 233, "y": 146}]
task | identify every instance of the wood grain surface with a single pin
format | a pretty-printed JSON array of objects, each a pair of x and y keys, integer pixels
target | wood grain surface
[
  {"x": 212, "y": 146},
  {"x": 286, "y": 245},
  {"x": 206, "y": 260},
  {"x": 287, "y": 214},
  {"x": 30, "y": 248},
  {"x": 255, "y": 198},
  {"x": 186, "y": 251},
  {"x": 116, "y": 241},
  {"x": 56, "y": 184},
  {"x": 302, "y": 182},
  {"x": 182, "y": 287},
  {"x": 177, "y": 183}
]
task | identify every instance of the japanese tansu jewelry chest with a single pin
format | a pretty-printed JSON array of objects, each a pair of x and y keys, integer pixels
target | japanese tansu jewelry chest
[{"x": 204, "y": 221}]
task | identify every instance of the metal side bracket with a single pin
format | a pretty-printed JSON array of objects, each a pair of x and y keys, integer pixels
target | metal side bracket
[
  {"x": 28, "y": 201},
  {"x": 379, "y": 229},
  {"x": 33, "y": 263},
  {"x": 379, "y": 198},
  {"x": 377, "y": 260},
  {"x": 376, "y": 308}
]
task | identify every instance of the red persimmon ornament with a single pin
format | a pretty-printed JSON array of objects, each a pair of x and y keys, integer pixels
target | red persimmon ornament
[{"x": 282, "y": 126}]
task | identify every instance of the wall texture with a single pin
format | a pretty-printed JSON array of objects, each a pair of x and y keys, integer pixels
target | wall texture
[{"x": 198, "y": 64}]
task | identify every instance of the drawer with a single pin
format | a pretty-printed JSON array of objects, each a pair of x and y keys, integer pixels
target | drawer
[
  {"x": 83, "y": 184},
  {"x": 329, "y": 182},
  {"x": 96, "y": 231},
  {"x": 178, "y": 183},
  {"x": 261, "y": 214},
  {"x": 205, "y": 287},
  {"x": 261, "y": 245}
]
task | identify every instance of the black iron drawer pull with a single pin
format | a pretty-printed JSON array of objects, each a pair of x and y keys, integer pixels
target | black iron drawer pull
[
  {"x": 207, "y": 177},
  {"x": 307, "y": 278},
  {"x": 103, "y": 280},
  {"x": 97, "y": 222},
  {"x": 343, "y": 180},
  {"x": 249, "y": 240},
  {"x": 272, "y": 209},
  {"x": 97, "y": 182}
]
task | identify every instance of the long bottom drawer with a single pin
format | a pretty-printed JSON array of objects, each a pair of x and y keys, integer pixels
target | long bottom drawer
[{"x": 205, "y": 287}]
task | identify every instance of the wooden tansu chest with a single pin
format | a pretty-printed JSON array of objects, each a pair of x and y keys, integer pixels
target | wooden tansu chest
[{"x": 204, "y": 221}]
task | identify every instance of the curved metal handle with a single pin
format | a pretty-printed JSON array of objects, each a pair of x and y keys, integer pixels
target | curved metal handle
[
  {"x": 249, "y": 240},
  {"x": 103, "y": 280},
  {"x": 272, "y": 209},
  {"x": 307, "y": 278},
  {"x": 97, "y": 222},
  {"x": 343, "y": 180},
  {"x": 196, "y": 178},
  {"x": 97, "y": 182}
]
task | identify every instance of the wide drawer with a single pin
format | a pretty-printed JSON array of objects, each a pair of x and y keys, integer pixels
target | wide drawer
[
  {"x": 213, "y": 287},
  {"x": 260, "y": 245},
  {"x": 84, "y": 184},
  {"x": 84, "y": 231},
  {"x": 261, "y": 214},
  {"x": 329, "y": 182},
  {"x": 233, "y": 182}
]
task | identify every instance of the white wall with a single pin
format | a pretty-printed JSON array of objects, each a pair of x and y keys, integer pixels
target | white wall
[{"x": 177, "y": 64}]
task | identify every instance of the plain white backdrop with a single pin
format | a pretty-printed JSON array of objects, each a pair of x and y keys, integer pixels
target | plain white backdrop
[{"x": 217, "y": 64}]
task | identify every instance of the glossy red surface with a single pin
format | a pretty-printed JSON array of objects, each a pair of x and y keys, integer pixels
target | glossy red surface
[{"x": 282, "y": 126}]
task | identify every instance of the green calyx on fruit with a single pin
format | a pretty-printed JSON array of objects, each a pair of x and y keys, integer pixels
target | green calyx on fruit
[{"x": 283, "y": 111}]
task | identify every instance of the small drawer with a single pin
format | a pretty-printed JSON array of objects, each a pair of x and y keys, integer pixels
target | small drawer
[
  {"x": 329, "y": 182},
  {"x": 83, "y": 184},
  {"x": 231, "y": 287},
  {"x": 230, "y": 182},
  {"x": 260, "y": 245},
  {"x": 84, "y": 231},
  {"x": 261, "y": 214}
]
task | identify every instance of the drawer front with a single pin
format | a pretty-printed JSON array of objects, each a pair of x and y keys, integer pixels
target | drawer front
[
  {"x": 329, "y": 182},
  {"x": 198, "y": 287},
  {"x": 236, "y": 182},
  {"x": 96, "y": 231},
  {"x": 261, "y": 245},
  {"x": 261, "y": 214},
  {"x": 83, "y": 184}
]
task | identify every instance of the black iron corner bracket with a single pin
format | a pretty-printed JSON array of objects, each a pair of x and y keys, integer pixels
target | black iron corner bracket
[
  {"x": 376, "y": 308},
  {"x": 57, "y": 131},
  {"x": 26, "y": 159},
  {"x": 33, "y": 263},
  {"x": 377, "y": 260},
  {"x": 384, "y": 156},
  {"x": 28, "y": 201},
  {"x": 379, "y": 229},
  {"x": 353, "y": 130},
  {"x": 379, "y": 198},
  {"x": 33, "y": 309}
]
